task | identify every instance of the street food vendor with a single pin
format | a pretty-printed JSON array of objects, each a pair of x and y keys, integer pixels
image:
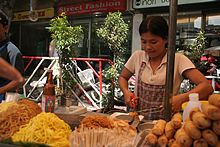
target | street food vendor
[{"x": 149, "y": 67}]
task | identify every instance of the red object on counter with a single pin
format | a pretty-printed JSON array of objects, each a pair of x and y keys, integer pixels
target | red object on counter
[{"x": 133, "y": 101}]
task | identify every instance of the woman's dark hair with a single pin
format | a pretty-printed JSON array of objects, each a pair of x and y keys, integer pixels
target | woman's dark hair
[{"x": 157, "y": 25}]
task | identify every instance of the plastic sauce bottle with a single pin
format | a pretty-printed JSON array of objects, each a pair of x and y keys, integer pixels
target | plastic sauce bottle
[
  {"x": 48, "y": 97},
  {"x": 193, "y": 103}
]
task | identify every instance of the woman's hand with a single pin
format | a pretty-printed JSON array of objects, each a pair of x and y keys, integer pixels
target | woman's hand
[
  {"x": 127, "y": 97},
  {"x": 131, "y": 100},
  {"x": 176, "y": 103}
]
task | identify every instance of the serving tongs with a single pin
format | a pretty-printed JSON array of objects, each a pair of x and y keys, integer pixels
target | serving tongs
[
  {"x": 133, "y": 108},
  {"x": 134, "y": 105},
  {"x": 135, "y": 122}
]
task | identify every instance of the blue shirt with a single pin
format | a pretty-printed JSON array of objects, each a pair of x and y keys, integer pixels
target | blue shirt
[{"x": 10, "y": 53}]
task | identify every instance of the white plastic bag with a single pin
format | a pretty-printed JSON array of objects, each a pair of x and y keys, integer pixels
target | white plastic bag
[{"x": 11, "y": 96}]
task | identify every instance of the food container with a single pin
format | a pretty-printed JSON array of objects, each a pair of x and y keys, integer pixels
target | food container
[
  {"x": 125, "y": 117},
  {"x": 184, "y": 104},
  {"x": 140, "y": 138},
  {"x": 146, "y": 126}
]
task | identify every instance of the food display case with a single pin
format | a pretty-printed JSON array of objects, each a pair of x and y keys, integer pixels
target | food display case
[{"x": 23, "y": 122}]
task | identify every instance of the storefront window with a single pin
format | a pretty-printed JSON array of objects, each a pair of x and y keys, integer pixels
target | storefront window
[
  {"x": 98, "y": 47},
  {"x": 188, "y": 25},
  {"x": 83, "y": 47},
  {"x": 91, "y": 45},
  {"x": 31, "y": 38},
  {"x": 213, "y": 30}
]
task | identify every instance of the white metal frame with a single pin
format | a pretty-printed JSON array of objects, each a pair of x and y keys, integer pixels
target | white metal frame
[{"x": 51, "y": 65}]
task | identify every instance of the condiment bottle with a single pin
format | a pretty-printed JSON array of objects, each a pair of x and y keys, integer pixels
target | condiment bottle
[
  {"x": 48, "y": 97},
  {"x": 193, "y": 103}
]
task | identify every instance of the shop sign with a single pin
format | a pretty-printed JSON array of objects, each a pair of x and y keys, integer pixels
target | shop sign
[
  {"x": 137, "y": 4},
  {"x": 42, "y": 13},
  {"x": 91, "y": 7}
]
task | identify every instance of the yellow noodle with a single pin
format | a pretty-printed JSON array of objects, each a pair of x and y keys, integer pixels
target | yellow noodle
[
  {"x": 45, "y": 128},
  {"x": 4, "y": 106}
]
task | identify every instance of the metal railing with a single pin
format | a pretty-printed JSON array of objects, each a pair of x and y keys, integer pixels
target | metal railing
[{"x": 53, "y": 60}]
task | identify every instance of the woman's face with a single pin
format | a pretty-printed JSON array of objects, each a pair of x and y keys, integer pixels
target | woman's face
[{"x": 153, "y": 45}]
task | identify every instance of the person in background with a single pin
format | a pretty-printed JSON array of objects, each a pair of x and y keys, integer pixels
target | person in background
[
  {"x": 52, "y": 49},
  {"x": 149, "y": 67},
  {"x": 10, "y": 53}
]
